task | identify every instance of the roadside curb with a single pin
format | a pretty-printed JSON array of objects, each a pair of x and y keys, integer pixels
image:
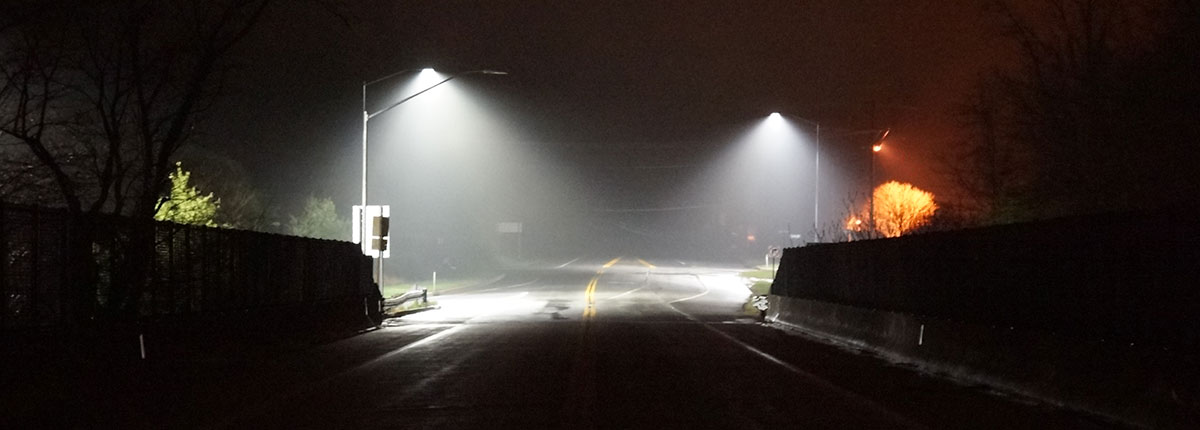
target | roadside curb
[
  {"x": 410, "y": 312},
  {"x": 494, "y": 280}
]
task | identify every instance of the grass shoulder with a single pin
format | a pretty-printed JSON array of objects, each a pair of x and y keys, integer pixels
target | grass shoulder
[{"x": 758, "y": 281}]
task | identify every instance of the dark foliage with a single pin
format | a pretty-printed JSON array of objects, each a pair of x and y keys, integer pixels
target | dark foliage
[{"x": 1099, "y": 114}]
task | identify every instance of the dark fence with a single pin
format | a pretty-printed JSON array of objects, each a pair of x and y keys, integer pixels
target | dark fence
[
  {"x": 58, "y": 271},
  {"x": 1131, "y": 278}
]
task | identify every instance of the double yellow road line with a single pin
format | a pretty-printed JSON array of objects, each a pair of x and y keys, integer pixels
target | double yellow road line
[{"x": 589, "y": 310}]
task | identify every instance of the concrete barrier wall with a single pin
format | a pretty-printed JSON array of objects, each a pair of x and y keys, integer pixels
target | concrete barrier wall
[
  {"x": 1099, "y": 313},
  {"x": 1133, "y": 384},
  {"x": 1124, "y": 277}
]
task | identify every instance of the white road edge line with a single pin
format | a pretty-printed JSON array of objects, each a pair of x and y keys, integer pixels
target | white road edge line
[
  {"x": 427, "y": 339},
  {"x": 809, "y": 376},
  {"x": 302, "y": 389},
  {"x": 821, "y": 381},
  {"x": 512, "y": 286},
  {"x": 706, "y": 290},
  {"x": 622, "y": 294},
  {"x": 567, "y": 263}
]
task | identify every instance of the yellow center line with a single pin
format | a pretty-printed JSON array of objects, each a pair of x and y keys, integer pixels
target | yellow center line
[
  {"x": 645, "y": 263},
  {"x": 589, "y": 310},
  {"x": 591, "y": 290}
]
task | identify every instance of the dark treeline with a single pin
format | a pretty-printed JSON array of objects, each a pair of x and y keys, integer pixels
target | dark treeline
[
  {"x": 97, "y": 99},
  {"x": 1099, "y": 113}
]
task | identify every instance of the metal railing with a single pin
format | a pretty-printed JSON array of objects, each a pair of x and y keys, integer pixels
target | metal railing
[{"x": 58, "y": 270}]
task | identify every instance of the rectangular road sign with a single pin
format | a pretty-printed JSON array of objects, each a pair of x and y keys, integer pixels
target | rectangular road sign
[{"x": 359, "y": 221}]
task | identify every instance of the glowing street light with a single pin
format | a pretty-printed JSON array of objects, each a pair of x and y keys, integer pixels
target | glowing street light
[
  {"x": 876, "y": 146},
  {"x": 362, "y": 224},
  {"x": 816, "y": 169},
  {"x": 367, "y": 116}
]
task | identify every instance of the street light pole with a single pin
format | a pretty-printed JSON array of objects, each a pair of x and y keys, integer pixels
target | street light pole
[
  {"x": 816, "y": 173},
  {"x": 871, "y": 188},
  {"x": 362, "y": 216},
  {"x": 362, "y": 213},
  {"x": 817, "y": 188},
  {"x": 875, "y": 148},
  {"x": 367, "y": 117}
]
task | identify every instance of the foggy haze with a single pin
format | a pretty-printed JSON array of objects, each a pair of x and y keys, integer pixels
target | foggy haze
[
  {"x": 616, "y": 130},
  {"x": 464, "y": 157}
]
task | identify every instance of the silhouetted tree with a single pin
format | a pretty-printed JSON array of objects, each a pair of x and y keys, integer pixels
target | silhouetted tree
[
  {"x": 243, "y": 206},
  {"x": 319, "y": 220},
  {"x": 990, "y": 168},
  {"x": 102, "y": 95},
  {"x": 1098, "y": 115}
]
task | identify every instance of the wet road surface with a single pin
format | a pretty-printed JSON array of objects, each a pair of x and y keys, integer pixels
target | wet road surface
[{"x": 612, "y": 343}]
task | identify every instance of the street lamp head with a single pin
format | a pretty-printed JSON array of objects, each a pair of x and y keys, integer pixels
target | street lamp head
[
  {"x": 493, "y": 72},
  {"x": 427, "y": 76},
  {"x": 878, "y": 145},
  {"x": 774, "y": 115}
]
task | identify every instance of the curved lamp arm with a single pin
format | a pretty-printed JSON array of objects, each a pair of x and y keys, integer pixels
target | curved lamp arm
[{"x": 448, "y": 79}]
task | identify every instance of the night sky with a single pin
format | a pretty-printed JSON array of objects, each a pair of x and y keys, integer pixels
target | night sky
[{"x": 625, "y": 74}]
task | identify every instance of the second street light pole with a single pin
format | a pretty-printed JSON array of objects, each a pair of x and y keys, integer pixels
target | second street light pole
[
  {"x": 816, "y": 172},
  {"x": 875, "y": 148},
  {"x": 871, "y": 188},
  {"x": 817, "y": 188}
]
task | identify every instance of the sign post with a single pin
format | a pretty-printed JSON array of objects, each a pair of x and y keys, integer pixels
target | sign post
[
  {"x": 374, "y": 241},
  {"x": 372, "y": 230},
  {"x": 379, "y": 243},
  {"x": 773, "y": 253}
]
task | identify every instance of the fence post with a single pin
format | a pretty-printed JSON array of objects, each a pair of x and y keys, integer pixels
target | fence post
[
  {"x": 187, "y": 271},
  {"x": 34, "y": 291},
  {"x": 3, "y": 265}
]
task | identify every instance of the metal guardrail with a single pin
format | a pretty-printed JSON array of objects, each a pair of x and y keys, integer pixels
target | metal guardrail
[{"x": 406, "y": 297}]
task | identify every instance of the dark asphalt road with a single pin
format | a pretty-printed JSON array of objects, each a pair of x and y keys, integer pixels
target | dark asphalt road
[{"x": 624, "y": 344}]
